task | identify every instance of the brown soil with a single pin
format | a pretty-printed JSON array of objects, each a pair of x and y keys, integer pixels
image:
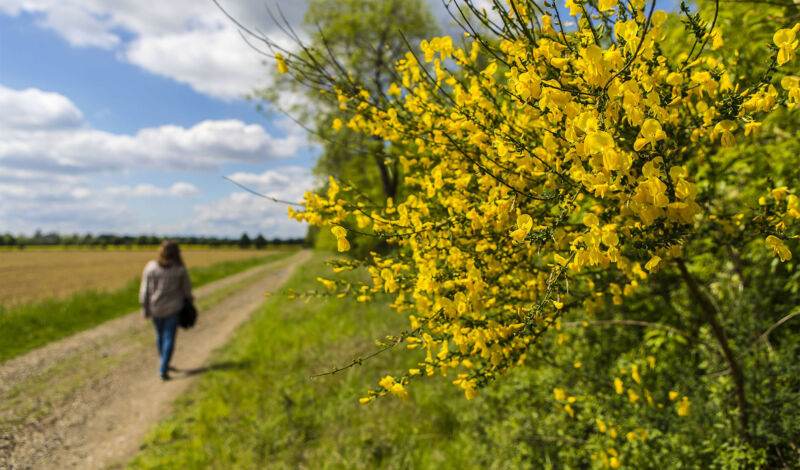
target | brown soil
[{"x": 87, "y": 401}]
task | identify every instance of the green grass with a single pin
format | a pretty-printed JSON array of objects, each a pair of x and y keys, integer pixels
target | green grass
[
  {"x": 257, "y": 407},
  {"x": 28, "y": 326}
]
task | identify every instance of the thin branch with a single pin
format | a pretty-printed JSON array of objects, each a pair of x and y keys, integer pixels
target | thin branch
[
  {"x": 252, "y": 191},
  {"x": 763, "y": 336}
]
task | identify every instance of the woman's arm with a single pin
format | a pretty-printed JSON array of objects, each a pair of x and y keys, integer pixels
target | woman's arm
[{"x": 144, "y": 293}]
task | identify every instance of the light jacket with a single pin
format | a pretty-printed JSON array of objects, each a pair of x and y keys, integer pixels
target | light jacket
[{"x": 163, "y": 290}]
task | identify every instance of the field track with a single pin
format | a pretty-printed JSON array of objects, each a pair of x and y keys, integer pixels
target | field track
[
  {"x": 87, "y": 401},
  {"x": 30, "y": 275}
]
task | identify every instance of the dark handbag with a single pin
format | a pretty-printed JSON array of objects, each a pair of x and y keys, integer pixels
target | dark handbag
[{"x": 188, "y": 315}]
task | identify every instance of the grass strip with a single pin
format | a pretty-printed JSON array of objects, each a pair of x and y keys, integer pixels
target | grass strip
[
  {"x": 29, "y": 326},
  {"x": 256, "y": 407}
]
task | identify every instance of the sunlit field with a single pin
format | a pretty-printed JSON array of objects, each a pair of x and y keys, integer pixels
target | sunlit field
[
  {"x": 31, "y": 275},
  {"x": 33, "y": 323}
]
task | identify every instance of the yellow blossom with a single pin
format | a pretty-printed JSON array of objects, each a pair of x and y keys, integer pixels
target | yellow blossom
[
  {"x": 282, "y": 67},
  {"x": 778, "y": 248}
]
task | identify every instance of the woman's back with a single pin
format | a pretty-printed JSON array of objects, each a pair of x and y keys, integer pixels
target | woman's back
[{"x": 164, "y": 289}]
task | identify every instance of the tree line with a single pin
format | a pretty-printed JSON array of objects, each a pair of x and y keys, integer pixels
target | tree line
[{"x": 106, "y": 239}]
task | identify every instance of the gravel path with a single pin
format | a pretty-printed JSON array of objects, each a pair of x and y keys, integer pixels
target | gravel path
[{"x": 87, "y": 401}]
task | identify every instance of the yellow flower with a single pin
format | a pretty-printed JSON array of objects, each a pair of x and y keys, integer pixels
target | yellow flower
[
  {"x": 635, "y": 374},
  {"x": 524, "y": 225},
  {"x": 337, "y": 124},
  {"x": 627, "y": 30},
  {"x": 780, "y": 193},
  {"x": 604, "y": 5},
  {"x": 659, "y": 18},
  {"x": 282, "y": 67},
  {"x": 778, "y": 248},
  {"x": 727, "y": 127},
  {"x": 330, "y": 285},
  {"x": 598, "y": 142},
  {"x": 618, "y": 385},
  {"x": 650, "y": 133},
  {"x": 601, "y": 426},
  {"x": 559, "y": 394},
  {"x": 652, "y": 264},
  {"x": 341, "y": 241},
  {"x": 683, "y": 407},
  {"x": 786, "y": 41},
  {"x": 590, "y": 220}
]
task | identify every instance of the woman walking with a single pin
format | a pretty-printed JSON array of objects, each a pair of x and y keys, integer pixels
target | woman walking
[{"x": 165, "y": 287}]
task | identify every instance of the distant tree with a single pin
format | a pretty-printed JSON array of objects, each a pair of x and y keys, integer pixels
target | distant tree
[
  {"x": 244, "y": 241},
  {"x": 361, "y": 39},
  {"x": 260, "y": 242}
]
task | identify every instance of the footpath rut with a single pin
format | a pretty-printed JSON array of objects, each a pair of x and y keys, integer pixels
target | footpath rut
[{"x": 88, "y": 400}]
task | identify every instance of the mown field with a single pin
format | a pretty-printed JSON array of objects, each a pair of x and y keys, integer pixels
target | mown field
[
  {"x": 32, "y": 275},
  {"x": 31, "y": 324}
]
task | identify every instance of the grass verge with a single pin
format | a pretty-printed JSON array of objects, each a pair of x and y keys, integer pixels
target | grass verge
[
  {"x": 258, "y": 408},
  {"x": 29, "y": 326}
]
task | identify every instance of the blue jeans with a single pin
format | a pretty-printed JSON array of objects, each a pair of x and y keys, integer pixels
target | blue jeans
[{"x": 166, "y": 330}]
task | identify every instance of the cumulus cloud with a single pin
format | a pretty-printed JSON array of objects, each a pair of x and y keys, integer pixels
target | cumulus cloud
[
  {"x": 36, "y": 109},
  {"x": 44, "y": 133},
  {"x": 179, "y": 189},
  {"x": 66, "y": 192},
  {"x": 69, "y": 206},
  {"x": 242, "y": 211},
  {"x": 291, "y": 181},
  {"x": 212, "y": 62}
]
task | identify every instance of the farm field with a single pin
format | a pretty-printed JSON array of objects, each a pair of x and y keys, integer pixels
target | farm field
[
  {"x": 32, "y": 275},
  {"x": 35, "y": 323}
]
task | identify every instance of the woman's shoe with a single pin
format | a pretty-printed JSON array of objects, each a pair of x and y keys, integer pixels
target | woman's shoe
[{"x": 165, "y": 377}]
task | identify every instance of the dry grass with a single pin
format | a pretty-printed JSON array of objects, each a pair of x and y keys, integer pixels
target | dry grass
[{"x": 33, "y": 275}]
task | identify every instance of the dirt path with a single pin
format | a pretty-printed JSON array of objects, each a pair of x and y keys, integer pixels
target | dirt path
[{"x": 88, "y": 400}]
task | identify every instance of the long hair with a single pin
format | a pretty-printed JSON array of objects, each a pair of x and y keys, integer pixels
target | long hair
[{"x": 169, "y": 254}]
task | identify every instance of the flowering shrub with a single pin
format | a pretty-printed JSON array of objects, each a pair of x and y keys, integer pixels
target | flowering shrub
[{"x": 559, "y": 174}]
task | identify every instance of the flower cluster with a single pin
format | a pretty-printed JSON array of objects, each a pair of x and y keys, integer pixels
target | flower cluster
[{"x": 549, "y": 170}]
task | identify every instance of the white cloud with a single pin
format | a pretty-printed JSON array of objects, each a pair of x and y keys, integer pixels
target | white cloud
[
  {"x": 79, "y": 26},
  {"x": 242, "y": 211},
  {"x": 68, "y": 216},
  {"x": 289, "y": 182},
  {"x": 68, "y": 207},
  {"x": 213, "y": 62},
  {"x": 179, "y": 189},
  {"x": 44, "y": 133},
  {"x": 36, "y": 109},
  {"x": 25, "y": 193}
]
